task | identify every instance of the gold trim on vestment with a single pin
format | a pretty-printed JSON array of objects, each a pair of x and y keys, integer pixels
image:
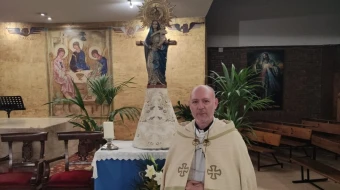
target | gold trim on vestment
[{"x": 213, "y": 137}]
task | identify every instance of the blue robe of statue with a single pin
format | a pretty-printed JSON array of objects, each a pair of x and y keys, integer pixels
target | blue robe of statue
[{"x": 156, "y": 57}]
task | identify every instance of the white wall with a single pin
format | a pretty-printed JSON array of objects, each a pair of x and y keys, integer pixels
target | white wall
[{"x": 235, "y": 23}]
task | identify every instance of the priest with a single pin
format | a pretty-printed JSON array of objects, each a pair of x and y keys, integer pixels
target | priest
[{"x": 207, "y": 153}]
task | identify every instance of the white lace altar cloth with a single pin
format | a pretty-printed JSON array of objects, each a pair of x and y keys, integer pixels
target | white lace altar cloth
[
  {"x": 157, "y": 123},
  {"x": 125, "y": 152}
]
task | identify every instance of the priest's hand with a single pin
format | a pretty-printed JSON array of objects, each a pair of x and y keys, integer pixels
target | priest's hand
[{"x": 194, "y": 185}]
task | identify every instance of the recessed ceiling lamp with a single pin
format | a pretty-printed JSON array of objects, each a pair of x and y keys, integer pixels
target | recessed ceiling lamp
[
  {"x": 49, "y": 18},
  {"x": 42, "y": 14},
  {"x": 131, "y": 6}
]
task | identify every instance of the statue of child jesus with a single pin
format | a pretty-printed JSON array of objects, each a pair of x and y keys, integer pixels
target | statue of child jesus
[{"x": 162, "y": 32}]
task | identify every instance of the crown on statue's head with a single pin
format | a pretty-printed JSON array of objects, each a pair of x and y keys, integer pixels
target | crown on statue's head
[{"x": 159, "y": 10}]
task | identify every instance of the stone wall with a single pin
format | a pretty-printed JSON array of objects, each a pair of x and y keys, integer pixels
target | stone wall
[
  {"x": 23, "y": 70},
  {"x": 23, "y": 65}
]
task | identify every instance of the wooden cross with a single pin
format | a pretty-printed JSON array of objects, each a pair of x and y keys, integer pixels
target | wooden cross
[{"x": 169, "y": 42}]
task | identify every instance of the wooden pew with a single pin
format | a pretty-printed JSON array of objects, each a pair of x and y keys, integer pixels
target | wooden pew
[
  {"x": 288, "y": 129},
  {"x": 327, "y": 142},
  {"x": 318, "y": 167},
  {"x": 324, "y": 126},
  {"x": 264, "y": 138},
  {"x": 322, "y": 137},
  {"x": 326, "y": 134},
  {"x": 294, "y": 132}
]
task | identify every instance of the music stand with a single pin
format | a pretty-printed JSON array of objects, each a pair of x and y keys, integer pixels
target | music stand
[{"x": 9, "y": 103}]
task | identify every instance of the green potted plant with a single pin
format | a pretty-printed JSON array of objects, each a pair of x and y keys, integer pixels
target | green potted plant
[
  {"x": 183, "y": 112},
  {"x": 237, "y": 96},
  {"x": 105, "y": 93}
]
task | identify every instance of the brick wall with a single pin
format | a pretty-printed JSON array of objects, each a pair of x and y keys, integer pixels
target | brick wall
[
  {"x": 327, "y": 76},
  {"x": 336, "y": 83},
  {"x": 308, "y": 76}
]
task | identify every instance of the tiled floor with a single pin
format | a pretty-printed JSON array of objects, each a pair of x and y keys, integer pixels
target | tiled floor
[{"x": 281, "y": 179}]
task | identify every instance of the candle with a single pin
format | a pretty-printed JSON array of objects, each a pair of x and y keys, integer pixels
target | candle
[{"x": 108, "y": 130}]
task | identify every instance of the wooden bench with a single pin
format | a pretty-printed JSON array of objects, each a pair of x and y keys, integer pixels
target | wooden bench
[
  {"x": 294, "y": 136},
  {"x": 267, "y": 139},
  {"x": 326, "y": 135},
  {"x": 324, "y": 126},
  {"x": 318, "y": 167},
  {"x": 288, "y": 129},
  {"x": 328, "y": 142}
]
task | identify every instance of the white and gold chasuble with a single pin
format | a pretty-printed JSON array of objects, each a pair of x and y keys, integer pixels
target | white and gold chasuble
[{"x": 227, "y": 165}]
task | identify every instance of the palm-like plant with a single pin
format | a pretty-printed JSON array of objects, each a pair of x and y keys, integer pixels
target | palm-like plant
[
  {"x": 81, "y": 120},
  {"x": 183, "y": 111},
  {"x": 237, "y": 96},
  {"x": 105, "y": 94}
]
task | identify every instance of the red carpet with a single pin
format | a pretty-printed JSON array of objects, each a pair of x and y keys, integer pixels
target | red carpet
[{"x": 60, "y": 165}]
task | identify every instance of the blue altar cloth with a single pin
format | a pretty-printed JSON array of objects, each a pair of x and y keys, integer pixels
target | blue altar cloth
[
  {"x": 120, "y": 169},
  {"x": 119, "y": 174}
]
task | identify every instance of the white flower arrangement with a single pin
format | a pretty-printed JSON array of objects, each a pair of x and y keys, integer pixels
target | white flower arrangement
[{"x": 152, "y": 176}]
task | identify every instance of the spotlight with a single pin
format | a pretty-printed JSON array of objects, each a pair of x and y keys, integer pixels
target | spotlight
[
  {"x": 131, "y": 6},
  {"x": 42, "y": 14},
  {"x": 49, "y": 18}
]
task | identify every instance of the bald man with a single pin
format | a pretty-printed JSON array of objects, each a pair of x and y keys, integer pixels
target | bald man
[{"x": 207, "y": 153}]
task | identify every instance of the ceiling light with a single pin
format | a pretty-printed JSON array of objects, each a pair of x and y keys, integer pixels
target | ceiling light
[
  {"x": 49, "y": 18},
  {"x": 42, "y": 14},
  {"x": 131, "y": 6}
]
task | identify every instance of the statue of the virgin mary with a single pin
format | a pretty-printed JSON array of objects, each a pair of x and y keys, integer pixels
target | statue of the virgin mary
[
  {"x": 158, "y": 122},
  {"x": 156, "y": 49}
]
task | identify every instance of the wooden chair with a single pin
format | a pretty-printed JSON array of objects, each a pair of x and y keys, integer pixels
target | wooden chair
[
  {"x": 75, "y": 179},
  {"x": 28, "y": 179}
]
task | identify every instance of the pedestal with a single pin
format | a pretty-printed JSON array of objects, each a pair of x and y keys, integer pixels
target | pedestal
[{"x": 157, "y": 124}]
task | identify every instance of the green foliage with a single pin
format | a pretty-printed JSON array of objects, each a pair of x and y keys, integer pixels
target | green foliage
[
  {"x": 183, "y": 111},
  {"x": 237, "y": 95},
  {"x": 83, "y": 120},
  {"x": 105, "y": 93}
]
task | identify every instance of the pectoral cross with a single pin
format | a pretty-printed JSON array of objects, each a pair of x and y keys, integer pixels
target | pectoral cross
[{"x": 169, "y": 42}]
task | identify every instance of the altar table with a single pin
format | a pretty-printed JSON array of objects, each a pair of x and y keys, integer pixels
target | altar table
[{"x": 118, "y": 169}]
